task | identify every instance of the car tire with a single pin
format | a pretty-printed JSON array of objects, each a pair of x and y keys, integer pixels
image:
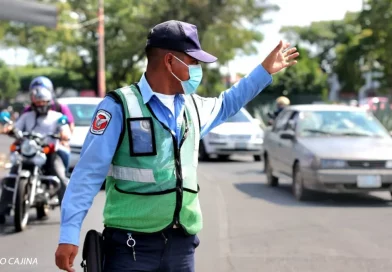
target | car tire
[
  {"x": 257, "y": 157},
  {"x": 298, "y": 188},
  {"x": 203, "y": 156},
  {"x": 271, "y": 179},
  {"x": 223, "y": 157}
]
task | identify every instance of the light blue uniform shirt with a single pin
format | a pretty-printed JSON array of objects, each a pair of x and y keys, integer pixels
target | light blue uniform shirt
[{"x": 98, "y": 150}]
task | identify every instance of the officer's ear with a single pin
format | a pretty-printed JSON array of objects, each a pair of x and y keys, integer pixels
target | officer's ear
[{"x": 168, "y": 60}]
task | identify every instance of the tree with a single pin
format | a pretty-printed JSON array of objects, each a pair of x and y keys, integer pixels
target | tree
[
  {"x": 222, "y": 29},
  {"x": 375, "y": 19},
  {"x": 9, "y": 83},
  {"x": 338, "y": 46},
  {"x": 306, "y": 77}
]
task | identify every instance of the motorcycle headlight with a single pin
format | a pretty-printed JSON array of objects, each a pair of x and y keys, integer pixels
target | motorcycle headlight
[
  {"x": 29, "y": 148},
  {"x": 333, "y": 163}
]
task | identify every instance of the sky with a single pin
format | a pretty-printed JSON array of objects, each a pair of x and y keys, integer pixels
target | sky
[{"x": 292, "y": 12}]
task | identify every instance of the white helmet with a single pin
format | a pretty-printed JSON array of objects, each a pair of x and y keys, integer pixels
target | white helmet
[{"x": 41, "y": 99}]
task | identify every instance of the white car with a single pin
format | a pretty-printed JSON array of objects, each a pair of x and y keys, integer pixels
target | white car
[
  {"x": 240, "y": 134},
  {"x": 82, "y": 109}
]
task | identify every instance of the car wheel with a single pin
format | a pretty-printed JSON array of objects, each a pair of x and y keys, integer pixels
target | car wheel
[
  {"x": 223, "y": 157},
  {"x": 299, "y": 191},
  {"x": 2, "y": 219},
  {"x": 257, "y": 157},
  {"x": 203, "y": 156},
  {"x": 271, "y": 179}
]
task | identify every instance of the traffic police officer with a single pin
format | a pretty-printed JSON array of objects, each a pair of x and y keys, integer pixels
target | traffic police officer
[{"x": 144, "y": 141}]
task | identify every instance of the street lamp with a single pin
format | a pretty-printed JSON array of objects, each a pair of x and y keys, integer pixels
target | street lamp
[{"x": 101, "y": 50}]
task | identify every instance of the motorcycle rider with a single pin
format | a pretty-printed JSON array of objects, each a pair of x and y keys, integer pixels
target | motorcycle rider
[
  {"x": 56, "y": 106},
  {"x": 45, "y": 121}
]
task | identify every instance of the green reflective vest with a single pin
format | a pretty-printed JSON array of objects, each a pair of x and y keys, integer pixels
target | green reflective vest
[{"x": 152, "y": 182}]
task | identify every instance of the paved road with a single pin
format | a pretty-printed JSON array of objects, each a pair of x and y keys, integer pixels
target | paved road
[
  {"x": 5, "y": 143},
  {"x": 250, "y": 227}
]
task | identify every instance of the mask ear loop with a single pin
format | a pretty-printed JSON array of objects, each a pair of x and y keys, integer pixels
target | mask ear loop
[{"x": 182, "y": 63}]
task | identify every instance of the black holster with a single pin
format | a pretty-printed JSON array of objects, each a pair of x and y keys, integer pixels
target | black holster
[{"x": 93, "y": 252}]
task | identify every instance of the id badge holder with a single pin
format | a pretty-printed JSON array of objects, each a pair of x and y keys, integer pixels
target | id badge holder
[{"x": 141, "y": 137}]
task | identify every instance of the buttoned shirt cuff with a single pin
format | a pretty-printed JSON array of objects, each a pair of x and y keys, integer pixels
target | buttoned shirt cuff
[
  {"x": 69, "y": 235},
  {"x": 261, "y": 77}
]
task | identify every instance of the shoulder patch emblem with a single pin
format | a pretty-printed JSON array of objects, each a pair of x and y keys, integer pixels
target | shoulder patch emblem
[{"x": 101, "y": 122}]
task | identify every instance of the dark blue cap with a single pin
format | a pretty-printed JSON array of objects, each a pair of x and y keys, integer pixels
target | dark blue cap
[{"x": 178, "y": 36}]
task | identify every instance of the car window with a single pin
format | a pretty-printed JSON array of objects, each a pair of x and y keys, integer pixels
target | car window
[
  {"x": 281, "y": 121},
  {"x": 82, "y": 113},
  {"x": 350, "y": 123},
  {"x": 239, "y": 117},
  {"x": 292, "y": 122}
]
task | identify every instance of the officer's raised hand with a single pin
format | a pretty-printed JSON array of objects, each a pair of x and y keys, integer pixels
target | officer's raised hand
[
  {"x": 280, "y": 58},
  {"x": 65, "y": 256}
]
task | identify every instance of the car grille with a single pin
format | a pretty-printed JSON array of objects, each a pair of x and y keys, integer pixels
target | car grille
[
  {"x": 366, "y": 164},
  {"x": 241, "y": 137}
]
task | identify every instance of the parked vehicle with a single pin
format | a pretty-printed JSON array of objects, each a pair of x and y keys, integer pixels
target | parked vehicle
[
  {"x": 240, "y": 134},
  {"x": 27, "y": 185},
  {"x": 329, "y": 148},
  {"x": 82, "y": 109}
]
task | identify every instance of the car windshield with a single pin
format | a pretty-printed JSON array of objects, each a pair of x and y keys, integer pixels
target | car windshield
[
  {"x": 82, "y": 113},
  {"x": 345, "y": 123},
  {"x": 239, "y": 117}
]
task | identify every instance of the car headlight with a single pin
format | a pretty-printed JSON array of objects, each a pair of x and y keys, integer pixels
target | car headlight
[
  {"x": 29, "y": 147},
  {"x": 332, "y": 164},
  {"x": 388, "y": 164}
]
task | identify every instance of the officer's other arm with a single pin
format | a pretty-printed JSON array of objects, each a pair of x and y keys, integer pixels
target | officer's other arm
[
  {"x": 91, "y": 170},
  {"x": 214, "y": 111}
]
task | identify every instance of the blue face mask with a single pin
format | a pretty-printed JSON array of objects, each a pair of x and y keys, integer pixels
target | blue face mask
[{"x": 195, "y": 75}]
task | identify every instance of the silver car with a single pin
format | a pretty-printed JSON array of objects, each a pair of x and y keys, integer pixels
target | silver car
[{"x": 328, "y": 148}]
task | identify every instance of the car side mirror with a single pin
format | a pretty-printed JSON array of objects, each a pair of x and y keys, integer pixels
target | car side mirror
[
  {"x": 291, "y": 125},
  {"x": 287, "y": 136}
]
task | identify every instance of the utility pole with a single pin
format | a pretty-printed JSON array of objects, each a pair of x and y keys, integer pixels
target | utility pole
[{"x": 101, "y": 50}]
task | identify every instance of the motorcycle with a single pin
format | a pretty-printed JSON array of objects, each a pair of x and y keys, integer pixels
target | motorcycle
[{"x": 27, "y": 186}]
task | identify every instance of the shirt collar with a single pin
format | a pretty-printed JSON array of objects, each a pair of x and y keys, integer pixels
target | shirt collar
[
  {"x": 145, "y": 89},
  {"x": 147, "y": 92}
]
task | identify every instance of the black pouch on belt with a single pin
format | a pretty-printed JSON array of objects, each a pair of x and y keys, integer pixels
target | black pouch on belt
[{"x": 93, "y": 252}]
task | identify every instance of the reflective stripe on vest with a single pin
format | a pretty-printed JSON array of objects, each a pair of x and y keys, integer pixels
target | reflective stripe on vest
[
  {"x": 132, "y": 102},
  {"x": 131, "y": 174}
]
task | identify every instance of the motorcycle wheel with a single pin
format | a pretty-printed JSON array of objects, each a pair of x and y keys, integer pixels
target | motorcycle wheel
[{"x": 22, "y": 206}]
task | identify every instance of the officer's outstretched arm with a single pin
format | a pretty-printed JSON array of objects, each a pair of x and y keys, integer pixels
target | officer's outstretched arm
[
  {"x": 215, "y": 111},
  {"x": 91, "y": 170}
]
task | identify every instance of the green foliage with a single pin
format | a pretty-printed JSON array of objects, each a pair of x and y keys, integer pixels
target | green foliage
[
  {"x": 360, "y": 42},
  {"x": 304, "y": 78},
  {"x": 376, "y": 22},
  {"x": 222, "y": 29},
  {"x": 9, "y": 83},
  {"x": 212, "y": 84},
  {"x": 59, "y": 77}
]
